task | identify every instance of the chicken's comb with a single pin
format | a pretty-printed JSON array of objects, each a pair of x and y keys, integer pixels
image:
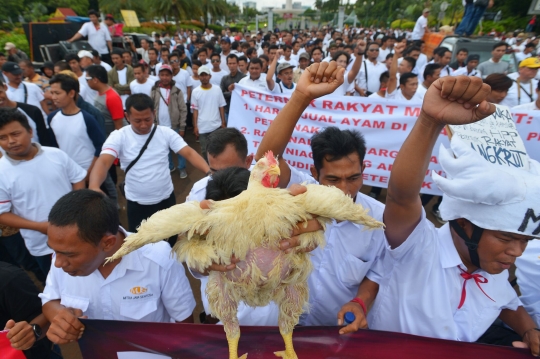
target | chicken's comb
[{"x": 270, "y": 157}]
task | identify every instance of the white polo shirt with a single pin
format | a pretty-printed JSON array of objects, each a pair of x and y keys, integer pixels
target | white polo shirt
[
  {"x": 279, "y": 88},
  {"x": 97, "y": 38},
  {"x": 258, "y": 84},
  {"x": 421, "y": 91},
  {"x": 29, "y": 189},
  {"x": 398, "y": 96},
  {"x": 420, "y": 288},
  {"x": 519, "y": 95},
  {"x": 149, "y": 180},
  {"x": 531, "y": 106},
  {"x": 528, "y": 272},
  {"x": 370, "y": 82},
  {"x": 34, "y": 95},
  {"x": 148, "y": 285},
  {"x": 145, "y": 88},
  {"x": 464, "y": 71},
  {"x": 207, "y": 102}
]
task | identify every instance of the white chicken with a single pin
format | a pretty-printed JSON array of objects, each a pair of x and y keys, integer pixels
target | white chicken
[{"x": 250, "y": 226}]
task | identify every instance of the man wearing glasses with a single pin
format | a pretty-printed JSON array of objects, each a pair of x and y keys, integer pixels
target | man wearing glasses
[
  {"x": 217, "y": 72},
  {"x": 370, "y": 71}
]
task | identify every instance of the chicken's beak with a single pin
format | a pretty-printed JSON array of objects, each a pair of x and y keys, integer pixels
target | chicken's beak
[{"x": 274, "y": 170}]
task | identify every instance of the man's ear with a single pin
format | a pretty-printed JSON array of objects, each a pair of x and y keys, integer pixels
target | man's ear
[
  {"x": 249, "y": 160},
  {"x": 314, "y": 173},
  {"x": 108, "y": 241}
]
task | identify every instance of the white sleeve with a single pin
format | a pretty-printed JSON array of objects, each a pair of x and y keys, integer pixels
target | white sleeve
[
  {"x": 5, "y": 198},
  {"x": 113, "y": 144},
  {"x": 393, "y": 94},
  {"x": 36, "y": 91},
  {"x": 52, "y": 289},
  {"x": 84, "y": 29},
  {"x": 298, "y": 177},
  {"x": 194, "y": 101},
  {"x": 175, "y": 141},
  {"x": 362, "y": 77},
  {"x": 107, "y": 35},
  {"x": 74, "y": 172},
  {"x": 176, "y": 292}
]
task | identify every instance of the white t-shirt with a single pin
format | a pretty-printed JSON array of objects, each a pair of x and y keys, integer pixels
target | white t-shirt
[
  {"x": 421, "y": 91},
  {"x": 149, "y": 180},
  {"x": 398, "y": 96},
  {"x": 217, "y": 76},
  {"x": 147, "y": 285},
  {"x": 97, "y": 38},
  {"x": 29, "y": 189},
  {"x": 463, "y": 71},
  {"x": 105, "y": 65},
  {"x": 145, "y": 88},
  {"x": 33, "y": 93},
  {"x": 531, "y": 106},
  {"x": 72, "y": 137},
  {"x": 420, "y": 289},
  {"x": 346, "y": 86},
  {"x": 259, "y": 84},
  {"x": 163, "y": 111},
  {"x": 208, "y": 102},
  {"x": 85, "y": 91},
  {"x": 122, "y": 80},
  {"x": 527, "y": 272},
  {"x": 419, "y": 28},
  {"x": 279, "y": 88},
  {"x": 519, "y": 95},
  {"x": 181, "y": 80},
  {"x": 376, "y": 95},
  {"x": 194, "y": 83},
  {"x": 291, "y": 61}
]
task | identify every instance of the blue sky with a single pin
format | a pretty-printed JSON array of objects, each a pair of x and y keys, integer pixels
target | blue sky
[{"x": 274, "y": 3}]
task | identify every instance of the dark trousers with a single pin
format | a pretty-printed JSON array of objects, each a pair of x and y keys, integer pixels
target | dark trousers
[
  {"x": 16, "y": 249},
  {"x": 137, "y": 212},
  {"x": 499, "y": 334},
  {"x": 44, "y": 262}
]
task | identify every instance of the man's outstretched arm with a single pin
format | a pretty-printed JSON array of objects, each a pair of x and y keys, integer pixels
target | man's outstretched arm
[
  {"x": 318, "y": 80},
  {"x": 449, "y": 100}
]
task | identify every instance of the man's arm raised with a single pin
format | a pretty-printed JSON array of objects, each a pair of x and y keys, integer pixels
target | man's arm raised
[
  {"x": 450, "y": 100},
  {"x": 318, "y": 80}
]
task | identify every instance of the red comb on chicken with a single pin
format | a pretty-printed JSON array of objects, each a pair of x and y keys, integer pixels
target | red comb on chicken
[{"x": 272, "y": 172}]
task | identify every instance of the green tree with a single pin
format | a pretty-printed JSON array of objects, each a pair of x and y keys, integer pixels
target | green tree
[{"x": 249, "y": 13}]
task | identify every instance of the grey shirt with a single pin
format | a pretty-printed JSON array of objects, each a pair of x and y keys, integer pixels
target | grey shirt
[
  {"x": 489, "y": 67},
  {"x": 226, "y": 81}
]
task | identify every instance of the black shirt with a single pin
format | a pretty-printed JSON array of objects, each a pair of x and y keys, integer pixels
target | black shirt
[
  {"x": 37, "y": 116},
  {"x": 19, "y": 301}
]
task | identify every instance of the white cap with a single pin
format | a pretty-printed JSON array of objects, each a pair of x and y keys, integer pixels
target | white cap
[
  {"x": 204, "y": 69},
  {"x": 495, "y": 197},
  {"x": 85, "y": 53}
]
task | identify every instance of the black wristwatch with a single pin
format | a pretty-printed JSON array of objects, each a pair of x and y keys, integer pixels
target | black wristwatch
[{"x": 37, "y": 331}]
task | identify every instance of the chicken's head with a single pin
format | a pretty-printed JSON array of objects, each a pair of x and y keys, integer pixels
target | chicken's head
[{"x": 266, "y": 171}]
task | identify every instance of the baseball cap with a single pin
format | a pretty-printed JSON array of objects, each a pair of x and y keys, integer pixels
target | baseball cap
[
  {"x": 282, "y": 66},
  {"x": 12, "y": 68},
  {"x": 204, "y": 70},
  {"x": 225, "y": 39},
  {"x": 304, "y": 55},
  {"x": 426, "y": 10},
  {"x": 109, "y": 16},
  {"x": 9, "y": 46},
  {"x": 531, "y": 62},
  {"x": 165, "y": 67},
  {"x": 85, "y": 53}
]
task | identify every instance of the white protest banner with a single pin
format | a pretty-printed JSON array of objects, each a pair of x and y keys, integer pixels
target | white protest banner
[
  {"x": 384, "y": 123},
  {"x": 528, "y": 126}
]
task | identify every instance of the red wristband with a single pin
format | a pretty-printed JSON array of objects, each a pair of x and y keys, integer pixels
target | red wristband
[{"x": 362, "y": 304}]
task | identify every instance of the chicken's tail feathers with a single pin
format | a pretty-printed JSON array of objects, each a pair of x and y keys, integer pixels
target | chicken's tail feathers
[{"x": 162, "y": 225}]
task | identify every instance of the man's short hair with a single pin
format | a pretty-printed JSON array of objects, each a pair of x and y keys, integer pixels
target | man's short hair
[
  {"x": 232, "y": 56},
  {"x": 154, "y": 50},
  {"x": 227, "y": 183},
  {"x": 430, "y": 69},
  {"x": 93, "y": 12},
  {"x": 174, "y": 54},
  {"x": 8, "y": 115},
  {"x": 127, "y": 52},
  {"x": 221, "y": 138},
  {"x": 405, "y": 77},
  {"x": 139, "y": 102},
  {"x": 139, "y": 65},
  {"x": 411, "y": 61},
  {"x": 70, "y": 57},
  {"x": 333, "y": 144},
  {"x": 499, "y": 82},
  {"x": 273, "y": 47},
  {"x": 117, "y": 51},
  {"x": 97, "y": 72},
  {"x": 463, "y": 50},
  {"x": 256, "y": 61},
  {"x": 62, "y": 65},
  {"x": 499, "y": 44},
  {"x": 67, "y": 83},
  {"x": 385, "y": 76},
  {"x": 389, "y": 56},
  {"x": 26, "y": 63},
  {"x": 94, "y": 214},
  {"x": 215, "y": 54}
]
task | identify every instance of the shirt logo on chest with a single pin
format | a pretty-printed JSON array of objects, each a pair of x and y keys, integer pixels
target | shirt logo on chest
[{"x": 138, "y": 290}]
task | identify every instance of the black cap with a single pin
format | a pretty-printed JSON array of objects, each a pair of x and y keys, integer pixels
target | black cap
[{"x": 12, "y": 68}]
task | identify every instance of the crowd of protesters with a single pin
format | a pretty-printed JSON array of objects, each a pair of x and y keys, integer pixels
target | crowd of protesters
[{"x": 77, "y": 122}]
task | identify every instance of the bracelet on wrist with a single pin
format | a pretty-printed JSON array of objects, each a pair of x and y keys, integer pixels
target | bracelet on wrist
[{"x": 361, "y": 303}]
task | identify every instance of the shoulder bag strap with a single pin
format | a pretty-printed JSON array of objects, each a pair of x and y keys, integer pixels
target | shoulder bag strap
[
  {"x": 25, "y": 93},
  {"x": 142, "y": 149}
]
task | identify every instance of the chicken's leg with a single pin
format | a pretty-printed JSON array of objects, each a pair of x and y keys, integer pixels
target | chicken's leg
[
  {"x": 224, "y": 307},
  {"x": 291, "y": 306}
]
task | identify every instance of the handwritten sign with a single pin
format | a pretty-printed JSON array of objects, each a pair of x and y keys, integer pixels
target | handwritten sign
[{"x": 495, "y": 138}]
